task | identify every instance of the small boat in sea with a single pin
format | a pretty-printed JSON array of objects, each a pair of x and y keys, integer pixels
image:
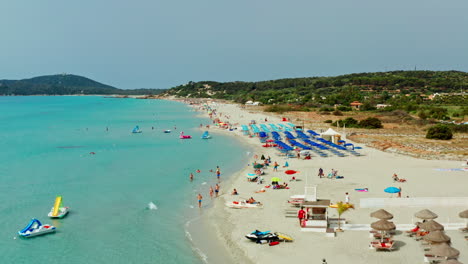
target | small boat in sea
[
  {"x": 182, "y": 136},
  {"x": 167, "y": 131},
  {"x": 136, "y": 130},
  {"x": 58, "y": 211},
  {"x": 206, "y": 135},
  {"x": 35, "y": 228}
]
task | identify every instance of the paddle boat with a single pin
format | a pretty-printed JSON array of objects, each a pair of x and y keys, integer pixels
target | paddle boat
[
  {"x": 182, "y": 136},
  {"x": 167, "y": 131},
  {"x": 136, "y": 130},
  {"x": 206, "y": 135},
  {"x": 58, "y": 211},
  {"x": 243, "y": 204},
  {"x": 35, "y": 228}
]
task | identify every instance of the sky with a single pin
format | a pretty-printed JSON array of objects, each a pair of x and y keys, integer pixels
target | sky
[{"x": 164, "y": 43}]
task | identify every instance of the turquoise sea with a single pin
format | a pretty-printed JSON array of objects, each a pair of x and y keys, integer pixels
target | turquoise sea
[{"x": 45, "y": 145}]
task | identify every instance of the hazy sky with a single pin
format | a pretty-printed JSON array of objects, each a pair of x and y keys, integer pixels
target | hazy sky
[{"x": 163, "y": 43}]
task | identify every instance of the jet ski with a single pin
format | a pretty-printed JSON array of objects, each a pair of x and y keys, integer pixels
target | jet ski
[
  {"x": 258, "y": 236},
  {"x": 35, "y": 228}
]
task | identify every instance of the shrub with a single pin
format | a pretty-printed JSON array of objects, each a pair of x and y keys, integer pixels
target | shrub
[
  {"x": 337, "y": 113},
  {"x": 328, "y": 121},
  {"x": 326, "y": 109},
  {"x": 344, "y": 108},
  {"x": 349, "y": 122},
  {"x": 278, "y": 108},
  {"x": 371, "y": 122},
  {"x": 439, "y": 132}
]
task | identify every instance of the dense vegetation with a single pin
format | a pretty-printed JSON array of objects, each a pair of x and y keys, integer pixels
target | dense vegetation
[
  {"x": 370, "y": 123},
  {"x": 404, "y": 90},
  {"x": 442, "y": 132},
  {"x": 64, "y": 84}
]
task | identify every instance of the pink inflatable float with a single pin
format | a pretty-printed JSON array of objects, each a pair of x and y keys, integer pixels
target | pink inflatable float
[{"x": 182, "y": 136}]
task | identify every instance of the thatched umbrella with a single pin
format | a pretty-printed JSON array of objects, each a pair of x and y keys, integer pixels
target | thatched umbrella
[
  {"x": 451, "y": 261},
  {"x": 463, "y": 214},
  {"x": 382, "y": 214},
  {"x": 431, "y": 225},
  {"x": 383, "y": 225},
  {"x": 444, "y": 250},
  {"x": 426, "y": 214},
  {"x": 437, "y": 237}
]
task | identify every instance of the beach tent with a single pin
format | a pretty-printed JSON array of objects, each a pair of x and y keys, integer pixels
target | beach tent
[{"x": 331, "y": 135}]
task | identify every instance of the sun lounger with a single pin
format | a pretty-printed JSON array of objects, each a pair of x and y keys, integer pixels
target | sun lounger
[{"x": 377, "y": 245}]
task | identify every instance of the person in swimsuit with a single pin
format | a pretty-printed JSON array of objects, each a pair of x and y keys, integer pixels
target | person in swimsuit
[
  {"x": 200, "y": 197},
  {"x": 211, "y": 192},
  {"x": 217, "y": 190},
  {"x": 191, "y": 176},
  {"x": 218, "y": 173}
]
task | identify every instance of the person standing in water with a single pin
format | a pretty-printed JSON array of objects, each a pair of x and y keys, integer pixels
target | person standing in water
[
  {"x": 199, "y": 197},
  {"x": 218, "y": 172},
  {"x": 211, "y": 192},
  {"x": 191, "y": 176},
  {"x": 217, "y": 190}
]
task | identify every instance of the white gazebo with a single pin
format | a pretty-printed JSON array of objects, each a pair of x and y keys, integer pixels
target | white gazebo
[{"x": 331, "y": 135}]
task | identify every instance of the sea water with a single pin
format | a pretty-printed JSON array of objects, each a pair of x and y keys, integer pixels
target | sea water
[{"x": 129, "y": 194}]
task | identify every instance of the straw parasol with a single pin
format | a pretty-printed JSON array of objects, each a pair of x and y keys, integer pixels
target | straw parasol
[
  {"x": 463, "y": 214},
  {"x": 444, "y": 250},
  {"x": 451, "y": 261},
  {"x": 381, "y": 214},
  {"x": 437, "y": 237},
  {"x": 383, "y": 225},
  {"x": 426, "y": 214},
  {"x": 431, "y": 225}
]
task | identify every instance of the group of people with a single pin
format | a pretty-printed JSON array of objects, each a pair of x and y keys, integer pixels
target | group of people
[
  {"x": 331, "y": 175},
  {"x": 213, "y": 191}
]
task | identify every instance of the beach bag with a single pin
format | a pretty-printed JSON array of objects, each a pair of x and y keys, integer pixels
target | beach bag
[{"x": 274, "y": 243}]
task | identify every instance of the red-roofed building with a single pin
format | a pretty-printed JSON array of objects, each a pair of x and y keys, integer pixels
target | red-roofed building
[{"x": 355, "y": 105}]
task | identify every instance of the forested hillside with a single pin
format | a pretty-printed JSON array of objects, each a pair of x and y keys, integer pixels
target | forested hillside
[{"x": 63, "y": 84}]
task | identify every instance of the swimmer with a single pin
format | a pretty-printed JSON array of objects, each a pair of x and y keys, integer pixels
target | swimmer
[
  {"x": 191, "y": 177},
  {"x": 198, "y": 171}
]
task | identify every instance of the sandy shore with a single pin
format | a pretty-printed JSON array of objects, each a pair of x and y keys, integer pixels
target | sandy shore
[{"x": 373, "y": 171}]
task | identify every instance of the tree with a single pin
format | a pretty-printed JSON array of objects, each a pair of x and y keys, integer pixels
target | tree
[
  {"x": 442, "y": 132},
  {"x": 340, "y": 209}
]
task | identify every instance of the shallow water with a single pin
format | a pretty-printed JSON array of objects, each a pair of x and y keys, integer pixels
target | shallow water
[{"x": 129, "y": 201}]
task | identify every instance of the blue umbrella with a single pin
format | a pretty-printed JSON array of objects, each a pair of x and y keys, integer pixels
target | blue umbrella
[{"x": 392, "y": 190}]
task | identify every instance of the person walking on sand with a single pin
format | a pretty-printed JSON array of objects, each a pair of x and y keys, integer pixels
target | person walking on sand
[
  {"x": 275, "y": 166},
  {"x": 301, "y": 214},
  {"x": 320, "y": 173},
  {"x": 347, "y": 198},
  {"x": 399, "y": 193},
  {"x": 217, "y": 190},
  {"x": 200, "y": 198},
  {"x": 191, "y": 176},
  {"x": 211, "y": 192}
]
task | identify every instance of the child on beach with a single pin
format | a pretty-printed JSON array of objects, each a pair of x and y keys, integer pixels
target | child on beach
[
  {"x": 320, "y": 173},
  {"x": 211, "y": 192},
  {"x": 301, "y": 214},
  {"x": 217, "y": 190}
]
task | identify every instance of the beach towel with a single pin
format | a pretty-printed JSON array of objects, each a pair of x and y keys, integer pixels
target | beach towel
[
  {"x": 362, "y": 190},
  {"x": 274, "y": 243}
]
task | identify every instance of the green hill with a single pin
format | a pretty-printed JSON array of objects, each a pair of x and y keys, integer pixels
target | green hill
[
  {"x": 63, "y": 84},
  {"x": 378, "y": 86}
]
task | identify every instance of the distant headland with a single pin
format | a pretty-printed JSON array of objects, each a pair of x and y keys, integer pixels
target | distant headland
[{"x": 66, "y": 84}]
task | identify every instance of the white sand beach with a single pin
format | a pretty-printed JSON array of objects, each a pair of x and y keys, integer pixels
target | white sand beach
[{"x": 425, "y": 179}]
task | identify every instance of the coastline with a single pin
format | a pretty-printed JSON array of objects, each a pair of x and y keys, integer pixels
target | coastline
[{"x": 373, "y": 170}]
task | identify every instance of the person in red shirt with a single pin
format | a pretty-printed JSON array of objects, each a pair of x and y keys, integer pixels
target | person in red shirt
[{"x": 301, "y": 214}]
